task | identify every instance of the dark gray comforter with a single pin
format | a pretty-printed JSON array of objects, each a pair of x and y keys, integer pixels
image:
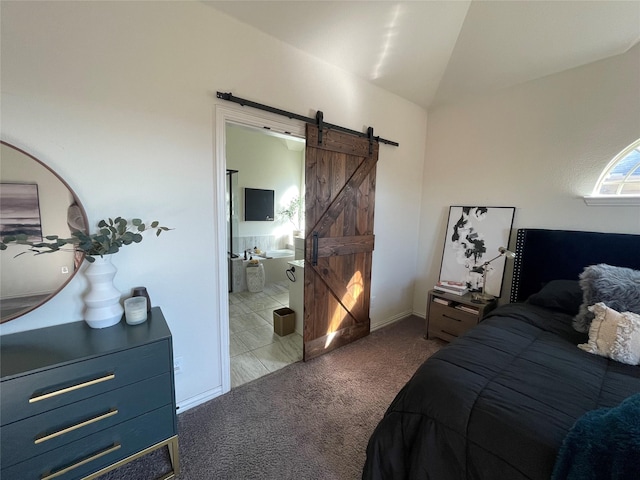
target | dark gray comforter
[{"x": 496, "y": 403}]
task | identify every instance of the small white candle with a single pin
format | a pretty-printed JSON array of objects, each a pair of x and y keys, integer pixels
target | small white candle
[{"x": 135, "y": 310}]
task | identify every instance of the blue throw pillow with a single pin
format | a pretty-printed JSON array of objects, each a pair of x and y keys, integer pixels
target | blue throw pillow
[
  {"x": 602, "y": 444},
  {"x": 562, "y": 295}
]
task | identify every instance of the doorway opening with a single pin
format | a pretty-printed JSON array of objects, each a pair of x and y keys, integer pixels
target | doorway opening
[{"x": 260, "y": 161}]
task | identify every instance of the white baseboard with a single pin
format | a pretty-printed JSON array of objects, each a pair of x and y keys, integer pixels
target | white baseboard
[
  {"x": 389, "y": 321},
  {"x": 185, "y": 405}
]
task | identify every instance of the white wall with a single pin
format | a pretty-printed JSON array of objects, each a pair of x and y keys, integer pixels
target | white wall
[
  {"x": 538, "y": 147},
  {"x": 267, "y": 162},
  {"x": 118, "y": 98}
]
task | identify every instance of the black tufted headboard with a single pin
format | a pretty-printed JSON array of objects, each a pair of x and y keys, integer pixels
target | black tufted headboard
[{"x": 545, "y": 255}]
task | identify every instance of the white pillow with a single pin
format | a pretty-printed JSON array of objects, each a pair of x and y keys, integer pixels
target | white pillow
[{"x": 614, "y": 335}]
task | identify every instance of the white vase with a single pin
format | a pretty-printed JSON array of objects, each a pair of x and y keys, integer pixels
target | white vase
[{"x": 102, "y": 302}]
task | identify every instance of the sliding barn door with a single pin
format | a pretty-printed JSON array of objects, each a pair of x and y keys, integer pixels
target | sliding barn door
[{"x": 340, "y": 177}]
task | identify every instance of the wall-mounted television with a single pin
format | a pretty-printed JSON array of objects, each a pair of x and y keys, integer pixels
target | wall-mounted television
[{"x": 258, "y": 205}]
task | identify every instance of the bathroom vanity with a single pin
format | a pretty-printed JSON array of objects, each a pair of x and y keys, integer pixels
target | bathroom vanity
[{"x": 77, "y": 402}]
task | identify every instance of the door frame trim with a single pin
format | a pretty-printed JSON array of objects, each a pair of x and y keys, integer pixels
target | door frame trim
[{"x": 250, "y": 117}]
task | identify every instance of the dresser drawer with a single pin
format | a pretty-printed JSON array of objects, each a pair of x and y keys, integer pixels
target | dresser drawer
[
  {"x": 32, "y": 394},
  {"x": 449, "y": 320},
  {"x": 96, "y": 451},
  {"x": 38, "y": 434}
]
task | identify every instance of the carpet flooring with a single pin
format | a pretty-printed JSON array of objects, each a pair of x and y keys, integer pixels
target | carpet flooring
[{"x": 307, "y": 421}]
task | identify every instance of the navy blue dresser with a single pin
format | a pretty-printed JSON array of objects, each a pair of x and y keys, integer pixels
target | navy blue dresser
[{"x": 76, "y": 402}]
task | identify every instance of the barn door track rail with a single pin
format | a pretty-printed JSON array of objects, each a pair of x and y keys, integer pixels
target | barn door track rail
[{"x": 318, "y": 120}]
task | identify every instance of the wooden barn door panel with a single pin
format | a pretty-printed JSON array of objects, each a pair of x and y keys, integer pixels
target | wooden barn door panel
[{"x": 340, "y": 178}]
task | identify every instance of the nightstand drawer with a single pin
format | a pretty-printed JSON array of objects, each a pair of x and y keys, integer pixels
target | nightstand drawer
[
  {"x": 96, "y": 451},
  {"x": 450, "y": 320},
  {"x": 39, "y": 434},
  {"x": 32, "y": 394}
]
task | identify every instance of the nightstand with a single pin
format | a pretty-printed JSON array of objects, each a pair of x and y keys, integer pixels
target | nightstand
[{"x": 449, "y": 316}]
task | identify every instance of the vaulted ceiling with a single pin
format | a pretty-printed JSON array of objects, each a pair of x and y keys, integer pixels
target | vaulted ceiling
[{"x": 433, "y": 52}]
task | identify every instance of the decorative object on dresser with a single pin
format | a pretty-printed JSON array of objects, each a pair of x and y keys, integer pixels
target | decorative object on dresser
[
  {"x": 112, "y": 236},
  {"x": 451, "y": 315},
  {"x": 29, "y": 281},
  {"x": 471, "y": 233},
  {"x": 78, "y": 402},
  {"x": 135, "y": 310},
  {"x": 142, "y": 292},
  {"x": 102, "y": 302}
]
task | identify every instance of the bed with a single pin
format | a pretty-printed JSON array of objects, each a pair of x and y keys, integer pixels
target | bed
[{"x": 498, "y": 402}]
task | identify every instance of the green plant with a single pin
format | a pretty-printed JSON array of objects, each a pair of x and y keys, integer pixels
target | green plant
[
  {"x": 292, "y": 211},
  {"x": 113, "y": 235}
]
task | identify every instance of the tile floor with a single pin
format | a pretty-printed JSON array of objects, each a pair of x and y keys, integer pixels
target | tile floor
[{"x": 255, "y": 348}]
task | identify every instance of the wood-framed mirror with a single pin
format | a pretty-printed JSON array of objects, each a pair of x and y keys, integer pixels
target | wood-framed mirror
[{"x": 34, "y": 200}]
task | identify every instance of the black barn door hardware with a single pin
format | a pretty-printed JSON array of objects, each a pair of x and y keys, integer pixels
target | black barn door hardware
[
  {"x": 314, "y": 249},
  {"x": 315, "y": 121},
  {"x": 371, "y": 139},
  {"x": 320, "y": 122}
]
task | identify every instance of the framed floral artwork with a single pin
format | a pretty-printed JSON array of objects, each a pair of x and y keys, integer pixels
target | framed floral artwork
[{"x": 474, "y": 235}]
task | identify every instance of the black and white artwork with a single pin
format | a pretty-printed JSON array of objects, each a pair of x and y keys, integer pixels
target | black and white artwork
[
  {"x": 20, "y": 210},
  {"x": 473, "y": 237}
]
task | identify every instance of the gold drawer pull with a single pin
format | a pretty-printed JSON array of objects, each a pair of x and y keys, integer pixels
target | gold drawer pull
[
  {"x": 107, "y": 451},
  {"x": 110, "y": 376},
  {"x": 108, "y": 414}
]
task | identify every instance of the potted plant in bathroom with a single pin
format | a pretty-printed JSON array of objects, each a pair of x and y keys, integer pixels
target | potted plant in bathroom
[
  {"x": 102, "y": 302},
  {"x": 292, "y": 212}
]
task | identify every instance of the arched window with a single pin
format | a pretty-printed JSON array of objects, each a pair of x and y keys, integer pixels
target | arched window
[{"x": 619, "y": 182}]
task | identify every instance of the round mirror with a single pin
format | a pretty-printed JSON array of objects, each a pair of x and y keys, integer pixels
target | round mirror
[{"x": 34, "y": 200}]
